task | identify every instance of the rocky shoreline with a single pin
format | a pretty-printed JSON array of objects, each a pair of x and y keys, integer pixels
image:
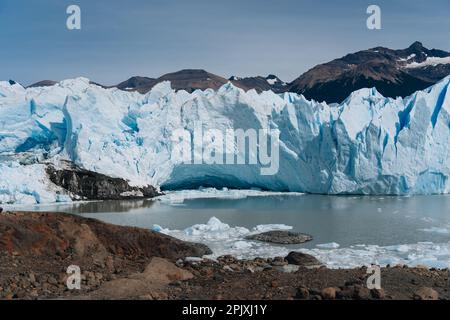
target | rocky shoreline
[{"x": 131, "y": 263}]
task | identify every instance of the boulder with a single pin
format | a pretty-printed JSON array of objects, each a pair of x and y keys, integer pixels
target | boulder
[
  {"x": 302, "y": 259},
  {"x": 302, "y": 293},
  {"x": 426, "y": 293},
  {"x": 146, "y": 285},
  {"x": 329, "y": 293},
  {"x": 378, "y": 294}
]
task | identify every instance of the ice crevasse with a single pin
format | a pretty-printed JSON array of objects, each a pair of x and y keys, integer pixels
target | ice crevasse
[{"x": 368, "y": 144}]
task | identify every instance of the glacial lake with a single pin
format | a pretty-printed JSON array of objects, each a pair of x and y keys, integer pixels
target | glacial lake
[{"x": 346, "y": 230}]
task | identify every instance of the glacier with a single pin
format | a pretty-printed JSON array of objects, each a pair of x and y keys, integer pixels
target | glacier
[{"x": 368, "y": 144}]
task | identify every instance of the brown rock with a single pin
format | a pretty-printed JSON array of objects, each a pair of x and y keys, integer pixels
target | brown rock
[
  {"x": 156, "y": 276},
  {"x": 378, "y": 294},
  {"x": 361, "y": 293},
  {"x": 302, "y": 259},
  {"x": 9, "y": 296},
  {"x": 109, "y": 263},
  {"x": 52, "y": 280},
  {"x": 347, "y": 293},
  {"x": 279, "y": 261},
  {"x": 329, "y": 293},
  {"x": 34, "y": 293},
  {"x": 422, "y": 267},
  {"x": 43, "y": 234},
  {"x": 426, "y": 293},
  {"x": 302, "y": 293},
  {"x": 160, "y": 269},
  {"x": 32, "y": 277}
]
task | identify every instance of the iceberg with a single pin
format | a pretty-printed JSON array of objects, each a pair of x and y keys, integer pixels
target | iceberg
[
  {"x": 224, "y": 239},
  {"x": 368, "y": 144}
]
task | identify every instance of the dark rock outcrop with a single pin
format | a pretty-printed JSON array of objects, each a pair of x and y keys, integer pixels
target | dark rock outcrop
[
  {"x": 193, "y": 79},
  {"x": 140, "y": 84},
  {"x": 188, "y": 80},
  {"x": 271, "y": 82},
  {"x": 281, "y": 237},
  {"x": 95, "y": 186},
  {"x": 302, "y": 259},
  {"x": 43, "y": 83}
]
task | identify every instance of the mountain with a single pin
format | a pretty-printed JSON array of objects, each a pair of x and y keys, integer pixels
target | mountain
[
  {"x": 187, "y": 79},
  {"x": 50, "y": 83},
  {"x": 140, "y": 84},
  {"x": 367, "y": 145},
  {"x": 271, "y": 82},
  {"x": 193, "y": 79},
  {"x": 393, "y": 72}
]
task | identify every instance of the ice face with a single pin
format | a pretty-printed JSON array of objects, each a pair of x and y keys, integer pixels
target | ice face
[{"x": 369, "y": 144}]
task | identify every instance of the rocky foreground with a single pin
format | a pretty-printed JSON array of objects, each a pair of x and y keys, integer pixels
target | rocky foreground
[{"x": 131, "y": 263}]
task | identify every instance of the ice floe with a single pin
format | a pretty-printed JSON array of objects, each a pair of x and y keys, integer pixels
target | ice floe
[{"x": 225, "y": 239}]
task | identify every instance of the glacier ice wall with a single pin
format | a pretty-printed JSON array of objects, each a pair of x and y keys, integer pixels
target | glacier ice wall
[{"x": 369, "y": 144}]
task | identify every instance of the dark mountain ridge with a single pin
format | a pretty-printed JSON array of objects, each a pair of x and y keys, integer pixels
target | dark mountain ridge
[{"x": 393, "y": 72}]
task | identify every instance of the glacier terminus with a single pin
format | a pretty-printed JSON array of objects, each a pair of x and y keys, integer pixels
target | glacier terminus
[{"x": 366, "y": 145}]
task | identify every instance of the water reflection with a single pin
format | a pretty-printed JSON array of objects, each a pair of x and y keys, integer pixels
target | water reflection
[
  {"x": 347, "y": 220},
  {"x": 93, "y": 206}
]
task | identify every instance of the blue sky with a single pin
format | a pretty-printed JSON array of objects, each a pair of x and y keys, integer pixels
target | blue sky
[{"x": 120, "y": 39}]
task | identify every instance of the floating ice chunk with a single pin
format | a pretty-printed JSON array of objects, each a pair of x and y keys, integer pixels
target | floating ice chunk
[
  {"x": 240, "y": 245},
  {"x": 440, "y": 230},
  {"x": 270, "y": 227},
  {"x": 178, "y": 197},
  {"x": 215, "y": 230},
  {"x": 156, "y": 228},
  {"x": 399, "y": 248},
  {"x": 331, "y": 245},
  {"x": 193, "y": 259},
  {"x": 224, "y": 239}
]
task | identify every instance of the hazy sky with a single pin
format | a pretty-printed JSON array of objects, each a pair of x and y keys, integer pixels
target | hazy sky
[{"x": 122, "y": 38}]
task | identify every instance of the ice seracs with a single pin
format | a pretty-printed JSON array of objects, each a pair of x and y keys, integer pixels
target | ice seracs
[{"x": 369, "y": 144}]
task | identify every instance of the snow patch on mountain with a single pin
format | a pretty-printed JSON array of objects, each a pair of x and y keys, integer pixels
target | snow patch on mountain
[
  {"x": 430, "y": 61},
  {"x": 272, "y": 81}
]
